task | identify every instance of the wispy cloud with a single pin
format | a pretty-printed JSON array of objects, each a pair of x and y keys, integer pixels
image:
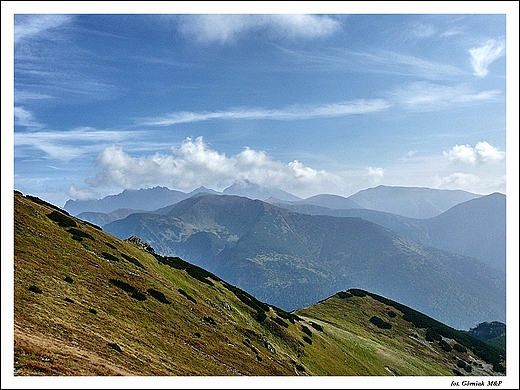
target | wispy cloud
[
  {"x": 37, "y": 26},
  {"x": 25, "y": 118},
  {"x": 483, "y": 56},
  {"x": 288, "y": 114},
  {"x": 67, "y": 145},
  {"x": 224, "y": 29},
  {"x": 428, "y": 96},
  {"x": 482, "y": 153}
]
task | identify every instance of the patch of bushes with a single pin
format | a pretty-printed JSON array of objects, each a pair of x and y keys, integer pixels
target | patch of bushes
[
  {"x": 35, "y": 289},
  {"x": 300, "y": 368},
  {"x": 132, "y": 260},
  {"x": 187, "y": 295},
  {"x": 316, "y": 326},
  {"x": 93, "y": 311},
  {"x": 285, "y": 315},
  {"x": 158, "y": 295},
  {"x": 357, "y": 292},
  {"x": 192, "y": 270},
  {"x": 210, "y": 320},
  {"x": 392, "y": 314},
  {"x": 35, "y": 199},
  {"x": 109, "y": 256},
  {"x": 432, "y": 335},
  {"x": 110, "y": 245},
  {"x": 281, "y": 322},
  {"x": 67, "y": 299},
  {"x": 62, "y": 219},
  {"x": 260, "y": 316},
  {"x": 92, "y": 225},
  {"x": 306, "y": 330},
  {"x": 468, "y": 368},
  {"x": 461, "y": 364},
  {"x": 115, "y": 346},
  {"x": 307, "y": 340},
  {"x": 134, "y": 292},
  {"x": 68, "y": 279},
  {"x": 459, "y": 348},
  {"x": 457, "y": 372},
  {"x": 380, "y": 323},
  {"x": 444, "y": 345},
  {"x": 344, "y": 295},
  {"x": 79, "y": 233},
  {"x": 483, "y": 350}
]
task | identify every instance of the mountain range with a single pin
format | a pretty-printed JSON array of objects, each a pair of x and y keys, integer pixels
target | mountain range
[
  {"x": 292, "y": 259},
  {"x": 87, "y": 304},
  {"x": 412, "y": 202}
]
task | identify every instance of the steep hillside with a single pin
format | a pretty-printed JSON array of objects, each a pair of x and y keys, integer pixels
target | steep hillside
[
  {"x": 476, "y": 228},
  {"x": 293, "y": 260},
  {"x": 87, "y": 303}
]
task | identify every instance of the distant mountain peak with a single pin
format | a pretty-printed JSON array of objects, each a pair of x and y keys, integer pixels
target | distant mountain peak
[{"x": 245, "y": 187}]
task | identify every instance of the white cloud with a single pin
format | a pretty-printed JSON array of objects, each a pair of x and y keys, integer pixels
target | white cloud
[
  {"x": 25, "y": 118},
  {"x": 482, "y": 57},
  {"x": 80, "y": 194},
  {"x": 67, "y": 145},
  {"x": 228, "y": 28},
  {"x": 481, "y": 154},
  {"x": 288, "y": 113},
  {"x": 29, "y": 26},
  {"x": 194, "y": 164},
  {"x": 374, "y": 174},
  {"x": 422, "y": 95}
]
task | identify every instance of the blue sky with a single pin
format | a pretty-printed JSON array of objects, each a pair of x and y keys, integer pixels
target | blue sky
[{"x": 320, "y": 102}]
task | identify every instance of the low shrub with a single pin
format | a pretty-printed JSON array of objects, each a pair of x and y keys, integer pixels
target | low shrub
[
  {"x": 80, "y": 233},
  {"x": 67, "y": 299},
  {"x": 392, "y": 314},
  {"x": 62, "y": 219},
  {"x": 444, "y": 345},
  {"x": 459, "y": 348},
  {"x": 93, "y": 311},
  {"x": 158, "y": 295},
  {"x": 132, "y": 260},
  {"x": 187, "y": 295},
  {"x": 306, "y": 330},
  {"x": 380, "y": 323},
  {"x": 115, "y": 346},
  {"x": 110, "y": 245},
  {"x": 344, "y": 295},
  {"x": 316, "y": 326},
  {"x": 281, "y": 322},
  {"x": 461, "y": 364},
  {"x": 68, "y": 279},
  {"x": 358, "y": 293},
  {"x": 35, "y": 199},
  {"x": 432, "y": 335},
  {"x": 109, "y": 256},
  {"x": 468, "y": 368},
  {"x": 307, "y": 340},
  {"x": 134, "y": 292},
  {"x": 35, "y": 289},
  {"x": 210, "y": 320}
]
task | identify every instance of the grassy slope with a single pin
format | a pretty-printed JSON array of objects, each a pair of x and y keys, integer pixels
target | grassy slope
[{"x": 216, "y": 335}]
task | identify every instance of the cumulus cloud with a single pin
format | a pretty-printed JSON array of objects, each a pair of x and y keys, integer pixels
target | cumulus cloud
[
  {"x": 482, "y": 153},
  {"x": 228, "y": 28},
  {"x": 482, "y": 57},
  {"x": 374, "y": 174},
  {"x": 194, "y": 164},
  {"x": 288, "y": 114},
  {"x": 80, "y": 194}
]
